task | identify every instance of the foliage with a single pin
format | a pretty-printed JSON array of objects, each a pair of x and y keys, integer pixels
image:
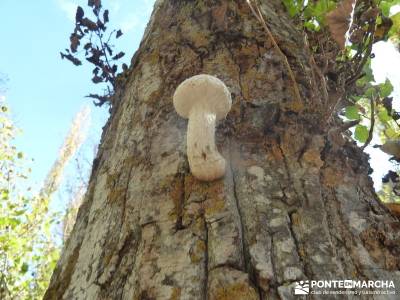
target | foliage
[
  {"x": 28, "y": 248},
  {"x": 355, "y": 26},
  {"x": 27, "y": 251},
  {"x": 72, "y": 142},
  {"x": 97, "y": 48},
  {"x": 390, "y": 191}
]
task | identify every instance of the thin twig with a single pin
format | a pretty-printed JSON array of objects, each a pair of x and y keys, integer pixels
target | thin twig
[
  {"x": 260, "y": 18},
  {"x": 371, "y": 129},
  {"x": 341, "y": 92},
  {"x": 395, "y": 121},
  {"x": 109, "y": 37},
  {"x": 348, "y": 125},
  {"x": 322, "y": 79},
  {"x": 324, "y": 55},
  {"x": 367, "y": 53},
  {"x": 103, "y": 48},
  {"x": 316, "y": 68}
]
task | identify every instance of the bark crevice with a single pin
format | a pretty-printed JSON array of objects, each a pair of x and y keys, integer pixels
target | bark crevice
[
  {"x": 346, "y": 233},
  {"x": 206, "y": 271},
  {"x": 238, "y": 208},
  {"x": 180, "y": 202},
  {"x": 297, "y": 243},
  {"x": 288, "y": 173}
]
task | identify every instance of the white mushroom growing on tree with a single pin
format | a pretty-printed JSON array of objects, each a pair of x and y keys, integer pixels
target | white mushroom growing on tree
[{"x": 204, "y": 99}]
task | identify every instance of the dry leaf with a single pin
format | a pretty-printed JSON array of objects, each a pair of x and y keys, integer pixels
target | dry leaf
[
  {"x": 339, "y": 21},
  {"x": 119, "y": 55},
  {"x": 79, "y": 14},
  {"x": 369, "y": 15},
  {"x": 105, "y": 16},
  {"x": 94, "y": 3},
  {"x": 383, "y": 28},
  {"x": 394, "y": 208},
  {"x": 71, "y": 58},
  {"x": 74, "y": 39},
  {"x": 89, "y": 24}
]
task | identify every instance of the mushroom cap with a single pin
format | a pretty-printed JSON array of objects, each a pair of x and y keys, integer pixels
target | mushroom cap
[{"x": 206, "y": 92}]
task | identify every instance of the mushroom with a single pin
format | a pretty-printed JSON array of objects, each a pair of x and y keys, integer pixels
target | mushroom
[{"x": 204, "y": 99}]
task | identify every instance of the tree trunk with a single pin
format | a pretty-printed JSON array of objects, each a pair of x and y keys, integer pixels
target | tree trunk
[{"x": 296, "y": 202}]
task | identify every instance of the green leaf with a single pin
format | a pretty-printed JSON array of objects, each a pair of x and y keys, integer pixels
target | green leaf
[
  {"x": 318, "y": 10},
  {"x": 384, "y": 116},
  {"x": 361, "y": 133},
  {"x": 385, "y": 89},
  {"x": 385, "y": 7},
  {"x": 291, "y": 7},
  {"x": 20, "y": 212},
  {"x": 395, "y": 29},
  {"x": 13, "y": 222},
  {"x": 5, "y": 194},
  {"x": 312, "y": 26},
  {"x": 368, "y": 75},
  {"x": 391, "y": 133},
  {"x": 352, "y": 113},
  {"x": 370, "y": 92},
  {"x": 24, "y": 268}
]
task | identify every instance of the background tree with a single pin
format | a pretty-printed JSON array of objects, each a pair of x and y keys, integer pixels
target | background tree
[
  {"x": 296, "y": 202},
  {"x": 29, "y": 249}
]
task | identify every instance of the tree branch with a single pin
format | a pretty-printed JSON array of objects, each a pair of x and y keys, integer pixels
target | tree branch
[{"x": 371, "y": 129}]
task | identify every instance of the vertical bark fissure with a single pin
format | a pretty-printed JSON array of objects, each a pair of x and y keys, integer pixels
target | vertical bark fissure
[
  {"x": 180, "y": 202},
  {"x": 304, "y": 193},
  {"x": 298, "y": 245},
  {"x": 235, "y": 195},
  {"x": 116, "y": 249},
  {"x": 205, "y": 284},
  {"x": 331, "y": 209},
  {"x": 273, "y": 263},
  {"x": 330, "y": 224},
  {"x": 348, "y": 234},
  {"x": 246, "y": 255},
  {"x": 126, "y": 194},
  {"x": 288, "y": 172},
  {"x": 136, "y": 243},
  {"x": 129, "y": 241}
]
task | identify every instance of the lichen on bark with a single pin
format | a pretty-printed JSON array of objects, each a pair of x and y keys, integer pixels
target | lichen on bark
[{"x": 292, "y": 206}]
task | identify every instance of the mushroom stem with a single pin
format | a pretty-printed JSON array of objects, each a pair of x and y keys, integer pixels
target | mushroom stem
[
  {"x": 204, "y": 159},
  {"x": 204, "y": 100}
]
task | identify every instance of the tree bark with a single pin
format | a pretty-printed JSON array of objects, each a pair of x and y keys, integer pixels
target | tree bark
[{"x": 296, "y": 202}]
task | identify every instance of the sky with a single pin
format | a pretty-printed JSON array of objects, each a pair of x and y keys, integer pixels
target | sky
[
  {"x": 386, "y": 64},
  {"x": 45, "y": 92}
]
